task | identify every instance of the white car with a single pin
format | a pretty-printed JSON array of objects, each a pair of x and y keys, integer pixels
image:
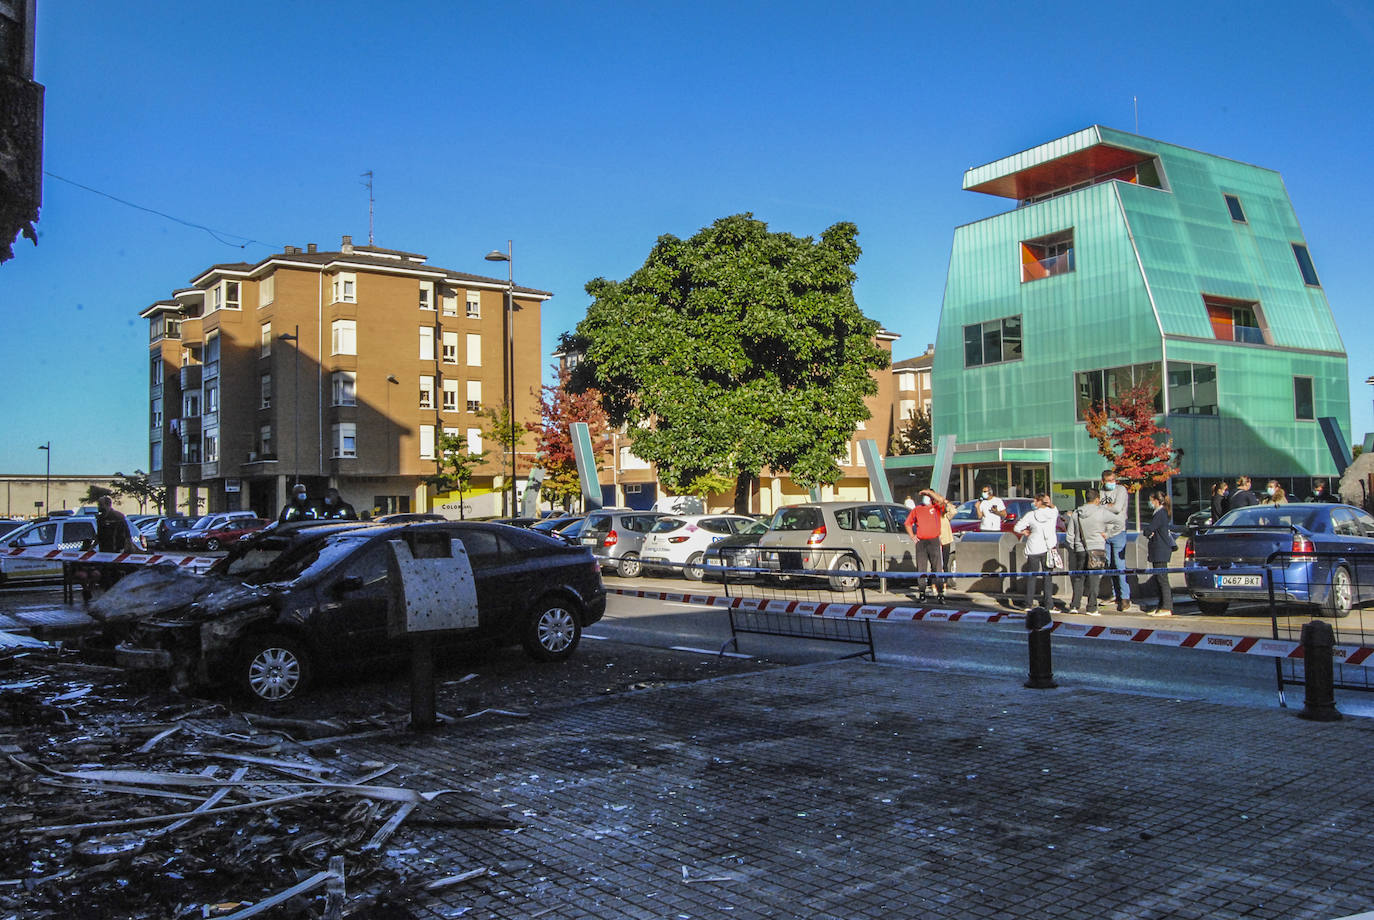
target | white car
[
  {"x": 72, "y": 532},
  {"x": 680, "y": 541}
]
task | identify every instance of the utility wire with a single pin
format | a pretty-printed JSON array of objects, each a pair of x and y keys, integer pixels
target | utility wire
[{"x": 214, "y": 233}]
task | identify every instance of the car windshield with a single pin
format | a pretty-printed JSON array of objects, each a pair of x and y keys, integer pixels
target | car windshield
[
  {"x": 800, "y": 518},
  {"x": 968, "y": 511},
  {"x": 753, "y": 530},
  {"x": 1270, "y": 516},
  {"x": 307, "y": 560}
]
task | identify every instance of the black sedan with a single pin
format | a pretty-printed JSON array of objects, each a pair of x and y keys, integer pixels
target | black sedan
[{"x": 324, "y": 602}]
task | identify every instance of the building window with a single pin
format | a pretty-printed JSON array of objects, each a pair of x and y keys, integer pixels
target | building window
[
  {"x": 426, "y": 392},
  {"x": 993, "y": 342},
  {"x": 190, "y": 405},
  {"x": 224, "y": 296},
  {"x": 1192, "y": 389},
  {"x": 474, "y": 440},
  {"x": 1309, "y": 271},
  {"x": 474, "y": 349},
  {"x": 1236, "y": 320},
  {"x": 450, "y": 396},
  {"x": 190, "y": 451},
  {"x": 474, "y": 401},
  {"x": 1047, "y": 256},
  {"x": 157, "y": 413},
  {"x": 906, "y": 381},
  {"x": 450, "y": 303},
  {"x": 265, "y": 343},
  {"x": 210, "y": 446},
  {"x": 474, "y": 305},
  {"x": 345, "y": 288},
  {"x": 450, "y": 348},
  {"x": 265, "y": 391},
  {"x": 345, "y": 336},
  {"x": 156, "y": 457},
  {"x": 426, "y": 295},
  {"x": 344, "y": 438},
  {"x": 264, "y": 441},
  {"x": 1237, "y": 212},
  {"x": 345, "y": 388},
  {"x": 426, "y": 442},
  {"x": 211, "y": 398},
  {"x": 1303, "y": 409},
  {"x": 1095, "y": 388},
  {"x": 155, "y": 371},
  {"x": 267, "y": 290},
  {"x": 426, "y": 343}
]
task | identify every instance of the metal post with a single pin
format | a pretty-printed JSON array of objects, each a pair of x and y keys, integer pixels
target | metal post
[
  {"x": 422, "y": 707},
  {"x": 1038, "y": 627},
  {"x": 1318, "y": 642},
  {"x": 47, "y": 479}
]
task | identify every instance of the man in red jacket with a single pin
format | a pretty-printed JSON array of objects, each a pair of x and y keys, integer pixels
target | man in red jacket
[{"x": 923, "y": 526}]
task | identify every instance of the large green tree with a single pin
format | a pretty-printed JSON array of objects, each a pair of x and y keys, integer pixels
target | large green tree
[{"x": 732, "y": 351}]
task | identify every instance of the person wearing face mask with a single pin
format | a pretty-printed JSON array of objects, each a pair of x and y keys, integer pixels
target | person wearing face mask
[
  {"x": 300, "y": 507},
  {"x": 1161, "y": 551},
  {"x": 1274, "y": 494},
  {"x": 336, "y": 509},
  {"x": 1320, "y": 493},
  {"x": 923, "y": 526},
  {"x": 1242, "y": 497},
  {"x": 991, "y": 510},
  {"x": 1039, "y": 526},
  {"x": 1115, "y": 501}
]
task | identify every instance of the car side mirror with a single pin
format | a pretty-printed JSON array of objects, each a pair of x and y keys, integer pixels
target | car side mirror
[{"x": 348, "y": 584}]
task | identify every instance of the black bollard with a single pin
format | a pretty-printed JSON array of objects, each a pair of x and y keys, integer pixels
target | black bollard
[
  {"x": 1318, "y": 643},
  {"x": 423, "y": 716},
  {"x": 1038, "y": 625}
]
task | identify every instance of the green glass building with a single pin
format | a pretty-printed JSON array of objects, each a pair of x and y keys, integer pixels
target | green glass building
[{"x": 1127, "y": 259}]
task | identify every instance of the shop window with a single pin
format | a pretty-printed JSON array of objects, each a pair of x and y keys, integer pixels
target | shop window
[{"x": 1047, "y": 256}]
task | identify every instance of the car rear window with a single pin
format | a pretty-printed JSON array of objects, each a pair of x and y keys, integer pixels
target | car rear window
[
  {"x": 1269, "y": 516},
  {"x": 716, "y": 525},
  {"x": 666, "y": 525},
  {"x": 597, "y": 523},
  {"x": 802, "y": 518},
  {"x": 753, "y": 529}
]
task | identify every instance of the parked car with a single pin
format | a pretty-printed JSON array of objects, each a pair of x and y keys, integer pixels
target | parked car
[
  {"x": 167, "y": 527},
  {"x": 680, "y": 541},
  {"x": 842, "y": 537},
  {"x": 739, "y": 551},
  {"x": 408, "y": 517},
  {"x": 181, "y": 539},
  {"x": 7, "y": 525},
  {"x": 1326, "y": 557},
  {"x": 555, "y": 527},
  {"x": 68, "y": 532},
  {"x": 615, "y": 538},
  {"x": 966, "y": 518},
  {"x": 228, "y": 533},
  {"x": 571, "y": 531},
  {"x": 323, "y": 603},
  {"x": 516, "y": 521}
]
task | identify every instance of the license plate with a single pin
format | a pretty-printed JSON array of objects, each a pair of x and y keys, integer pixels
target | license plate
[
  {"x": 1240, "y": 581},
  {"x": 654, "y": 559}
]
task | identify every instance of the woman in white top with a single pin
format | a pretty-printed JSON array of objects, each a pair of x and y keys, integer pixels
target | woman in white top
[{"x": 1039, "y": 527}]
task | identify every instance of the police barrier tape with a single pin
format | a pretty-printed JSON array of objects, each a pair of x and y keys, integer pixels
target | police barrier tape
[
  {"x": 1353, "y": 655},
  {"x": 90, "y": 555}
]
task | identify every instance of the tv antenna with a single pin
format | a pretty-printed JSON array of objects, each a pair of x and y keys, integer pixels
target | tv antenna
[
  {"x": 1135, "y": 105},
  {"x": 370, "y": 203}
]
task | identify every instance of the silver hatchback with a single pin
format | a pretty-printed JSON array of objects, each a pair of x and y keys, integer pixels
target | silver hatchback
[
  {"x": 840, "y": 537},
  {"x": 616, "y": 537}
]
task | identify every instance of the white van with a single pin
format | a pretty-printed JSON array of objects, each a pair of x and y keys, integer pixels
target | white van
[{"x": 72, "y": 532}]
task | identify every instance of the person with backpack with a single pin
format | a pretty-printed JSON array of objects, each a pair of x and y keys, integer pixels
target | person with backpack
[{"x": 1087, "y": 543}]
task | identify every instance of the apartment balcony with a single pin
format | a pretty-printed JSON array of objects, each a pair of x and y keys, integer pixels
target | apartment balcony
[
  {"x": 190, "y": 377},
  {"x": 258, "y": 464},
  {"x": 1060, "y": 264},
  {"x": 190, "y": 472}
]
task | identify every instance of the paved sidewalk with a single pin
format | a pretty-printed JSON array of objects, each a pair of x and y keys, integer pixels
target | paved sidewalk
[{"x": 855, "y": 790}]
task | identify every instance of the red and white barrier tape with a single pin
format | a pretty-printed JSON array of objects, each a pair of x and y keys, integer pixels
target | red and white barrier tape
[
  {"x": 1353, "y": 655},
  {"x": 90, "y": 555}
]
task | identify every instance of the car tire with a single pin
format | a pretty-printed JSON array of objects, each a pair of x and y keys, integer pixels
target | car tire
[
  {"x": 629, "y": 566},
  {"x": 845, "y": 582},
  {"x": 693, "y": 570},
  {"x": 1340, "y": 594},
  {"x": 552, "y": 630},
  {"x": 212, "y": 544},
  {"x": 1212, "y": 608},
  {"x": 272, "y": 669}
]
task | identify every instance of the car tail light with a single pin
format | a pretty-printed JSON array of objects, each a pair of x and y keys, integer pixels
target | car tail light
[
  {"x": 1302, "y": 544},
  {"x": 817, "y": 536},
  {"x": 1189, "y": 553},
  {"x": 678, "y": 539},
  {"x": 612, "y": 539}
]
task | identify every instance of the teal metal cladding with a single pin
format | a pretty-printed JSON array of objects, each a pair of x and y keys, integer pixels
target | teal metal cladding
[{"x": 1143, "y": 259}]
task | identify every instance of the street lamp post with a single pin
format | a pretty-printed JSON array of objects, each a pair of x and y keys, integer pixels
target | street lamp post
[
  {"x": 508, "y": 347},
  {"x": 294, "y": 339},
  {"x": 47, "y": 479}
]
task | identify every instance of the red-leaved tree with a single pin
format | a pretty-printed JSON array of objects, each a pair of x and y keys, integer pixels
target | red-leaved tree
[
  {"x": 1141, "y": 452},
  {"x": 558, "y": 409}
]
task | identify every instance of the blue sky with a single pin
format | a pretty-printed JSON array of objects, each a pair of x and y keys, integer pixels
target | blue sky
[{"x": 584, "y": 131}]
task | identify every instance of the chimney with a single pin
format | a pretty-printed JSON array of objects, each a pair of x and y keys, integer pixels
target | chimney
[
  {"x": 291, "y": 250},
  {"x": 311, "y": 247},
  {"x": 930, "y": 349},
  {"x": 347, "y": 243}
]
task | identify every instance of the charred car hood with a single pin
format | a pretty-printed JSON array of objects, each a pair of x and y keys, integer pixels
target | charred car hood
[{"x": 171, "y": 594}]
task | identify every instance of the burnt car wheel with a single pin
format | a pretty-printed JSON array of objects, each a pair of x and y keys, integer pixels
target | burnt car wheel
[
  {"x": 629, "y": 566},
  {"x": 273, "y": 668},
  {"x": 1212, "y": 608},
  {"x": 1340, "y": 598},
  {"x": 552, "y": 630}
]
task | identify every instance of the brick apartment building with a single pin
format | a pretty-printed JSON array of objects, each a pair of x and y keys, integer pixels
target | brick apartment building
[{"x": 335, "y": 369}]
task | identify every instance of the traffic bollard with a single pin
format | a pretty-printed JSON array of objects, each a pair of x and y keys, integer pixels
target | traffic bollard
[
  {"x": 1318, "y": 644},
  {"x": 1038, "y": 627}
]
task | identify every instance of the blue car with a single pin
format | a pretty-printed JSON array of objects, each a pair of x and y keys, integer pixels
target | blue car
[{"x": 1322, "y": 556}]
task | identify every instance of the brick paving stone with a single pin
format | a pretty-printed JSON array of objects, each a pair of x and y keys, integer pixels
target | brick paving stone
[{"x": 854, "y": 790}]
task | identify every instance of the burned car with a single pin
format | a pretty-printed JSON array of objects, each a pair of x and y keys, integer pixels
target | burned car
[{"x": 322, "y": 602}]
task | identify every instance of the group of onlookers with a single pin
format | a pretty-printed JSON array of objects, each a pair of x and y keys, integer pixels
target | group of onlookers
[{"x": 1224, "y": 500}]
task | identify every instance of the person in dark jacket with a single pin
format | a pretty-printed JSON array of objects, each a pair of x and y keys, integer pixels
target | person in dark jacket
[
  {"x": 1219, "y": 499},
  {"x": 300, "y": 508},
  {"x": 1321, "y": 494},
  {"x": 111, "y": 528},
  {"x": 1242, "y": 497},
  {"x": 1161, "y": 551},
  {"x": 336, "y": 509}
]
